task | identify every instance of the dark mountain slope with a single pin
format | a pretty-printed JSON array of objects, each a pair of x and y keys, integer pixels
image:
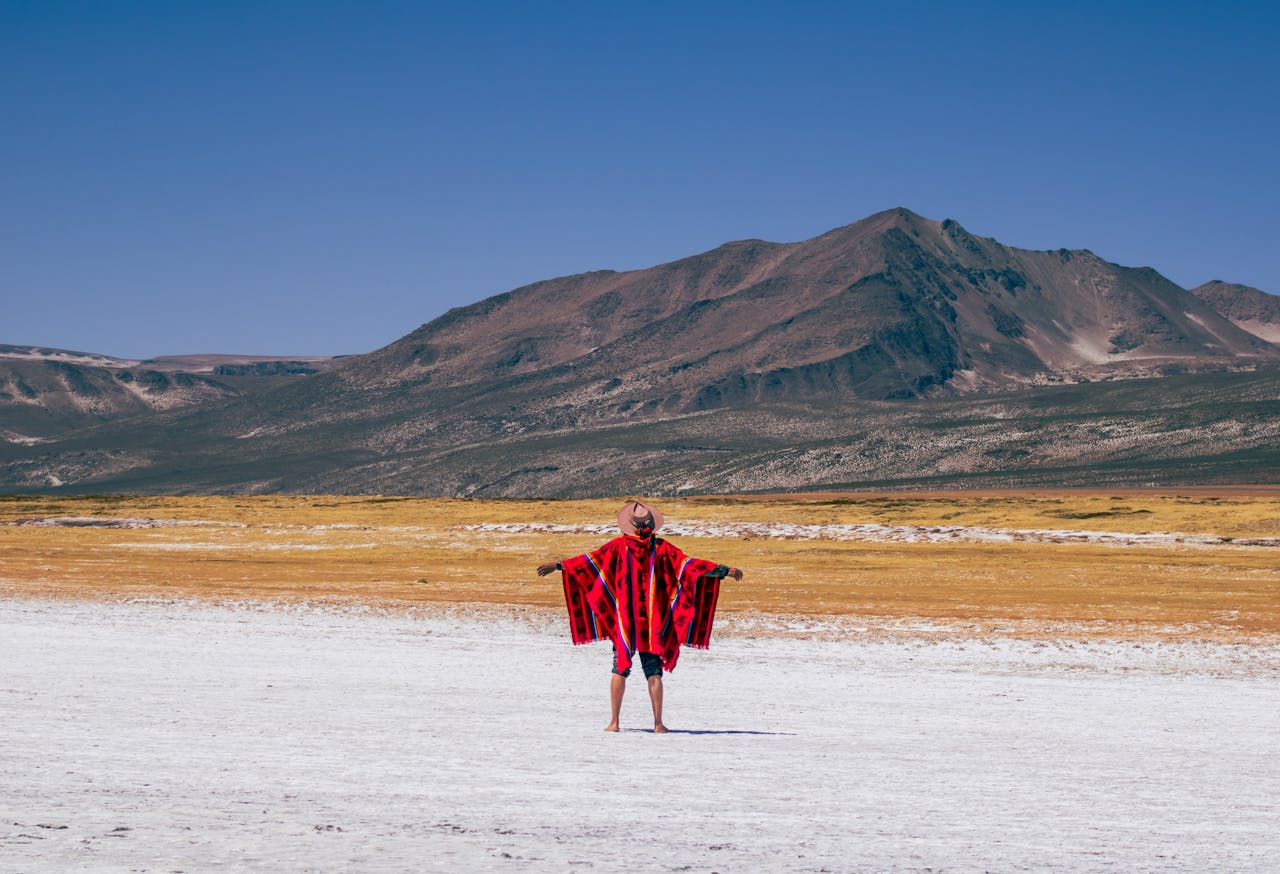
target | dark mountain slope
[{"x": 42, "y": 399}]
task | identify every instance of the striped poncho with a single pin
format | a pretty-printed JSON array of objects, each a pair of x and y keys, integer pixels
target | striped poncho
[{"x": 643, "y": 594}]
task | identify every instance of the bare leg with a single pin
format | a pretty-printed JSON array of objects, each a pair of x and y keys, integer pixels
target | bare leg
[
  {"x": 617, "y": 685},
  {"x": 655, "y": 696}
]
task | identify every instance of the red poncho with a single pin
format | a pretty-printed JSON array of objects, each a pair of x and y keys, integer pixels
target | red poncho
[{"x": 645, "y": 595}]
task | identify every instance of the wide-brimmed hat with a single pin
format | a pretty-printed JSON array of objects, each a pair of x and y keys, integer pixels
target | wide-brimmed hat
[{"x": 637, "y": 509}]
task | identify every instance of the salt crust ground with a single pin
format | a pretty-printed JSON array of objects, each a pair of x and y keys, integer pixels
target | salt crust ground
[
  {"x": 179, "y": 737},
  {"x": 869, "y": 533}
]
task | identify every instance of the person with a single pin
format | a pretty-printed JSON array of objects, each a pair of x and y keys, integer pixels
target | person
[{"x": 645, "y": 596}]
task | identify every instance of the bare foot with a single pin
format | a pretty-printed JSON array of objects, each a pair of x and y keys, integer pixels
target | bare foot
[
  {"x": 613, "y": 726},
  {"x": 660, "y": 729}
]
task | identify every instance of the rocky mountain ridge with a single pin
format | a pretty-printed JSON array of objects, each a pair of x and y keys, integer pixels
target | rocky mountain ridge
[
  {"x": 47, "y": 393},
  {"x": 577, "y": 384},
  {"x": 1245, "y": 307},
  {"x": 890, "y": 307}
]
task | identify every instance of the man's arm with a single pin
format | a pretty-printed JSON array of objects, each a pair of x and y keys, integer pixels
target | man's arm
[
  {"x": 721, "y": 571},
  {"x": 549, "y": 567}
]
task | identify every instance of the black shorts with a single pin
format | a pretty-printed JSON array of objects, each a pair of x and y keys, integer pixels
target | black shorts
[{"x": 650, "y": 663}]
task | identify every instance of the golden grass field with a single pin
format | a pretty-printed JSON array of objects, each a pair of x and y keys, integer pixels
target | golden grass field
[{"x": 409, "y": 552}]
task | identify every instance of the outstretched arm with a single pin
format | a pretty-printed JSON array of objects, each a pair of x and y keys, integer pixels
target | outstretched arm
[
  {"x": 721, "y": 571},
  {"x": 549, "y": 567}
]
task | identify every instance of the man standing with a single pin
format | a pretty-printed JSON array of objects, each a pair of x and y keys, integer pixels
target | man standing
[{"x": 644, "y": 595}]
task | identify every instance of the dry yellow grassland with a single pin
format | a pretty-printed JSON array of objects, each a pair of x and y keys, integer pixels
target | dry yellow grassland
[{"x": 397, "y": 553}]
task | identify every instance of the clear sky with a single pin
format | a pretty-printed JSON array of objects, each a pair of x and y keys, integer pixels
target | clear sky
[{"x": 322, "y": 177}]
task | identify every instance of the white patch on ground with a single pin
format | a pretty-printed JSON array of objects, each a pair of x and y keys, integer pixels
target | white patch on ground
[
  {"x": 1199, "y": 320},
  {"x": 890, "y": 533},
  {"x": 1269, "y": 331},
  {"x": 36, "y": 354},
  {"x": 866, "y": 532},
  {"x": 162, "y": 737},
  {"x": 173, "y": 396},
  {"x": 24, "y": 440},
  {"x": 17, "y": 397},
  {"x": 964, "y": 380},
  {"x": 1091, "y": 349},
  {"x": 121, "y": 522}
]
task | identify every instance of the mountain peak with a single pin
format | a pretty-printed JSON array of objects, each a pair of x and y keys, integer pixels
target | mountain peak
[
  {"x": 899, "y": 217},
  {"x": 1246, "y": 307}
]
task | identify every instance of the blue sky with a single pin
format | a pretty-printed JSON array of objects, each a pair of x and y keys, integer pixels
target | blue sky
[{"x": 323, "y": 177}]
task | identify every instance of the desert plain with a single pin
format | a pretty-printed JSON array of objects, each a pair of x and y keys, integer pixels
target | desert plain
[
  {"x": 1022, "y": 681},
  {"x": 1195, "y": 564}
]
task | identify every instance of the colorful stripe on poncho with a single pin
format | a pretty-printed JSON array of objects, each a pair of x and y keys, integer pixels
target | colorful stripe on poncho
[{"x": 644, "y": 595}]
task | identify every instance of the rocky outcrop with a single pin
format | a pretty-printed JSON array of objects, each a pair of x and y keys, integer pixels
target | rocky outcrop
[{"x": 1249, "y": 308}]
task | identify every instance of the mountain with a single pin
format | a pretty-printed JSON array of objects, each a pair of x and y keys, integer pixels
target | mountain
[
  {"x": 63, "y": 356},
  {"x": 1255, "y": 311},
  {"x": 222, "y": 365},
  {"x": 48, "y": 393},
  {"x": 890, "y": 307},
  {"x": 44, "y": 399},
  {"x": 893, "y": 350}
]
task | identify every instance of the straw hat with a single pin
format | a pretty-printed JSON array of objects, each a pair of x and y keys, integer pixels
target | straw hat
[{"x": 633, "y": 510}]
